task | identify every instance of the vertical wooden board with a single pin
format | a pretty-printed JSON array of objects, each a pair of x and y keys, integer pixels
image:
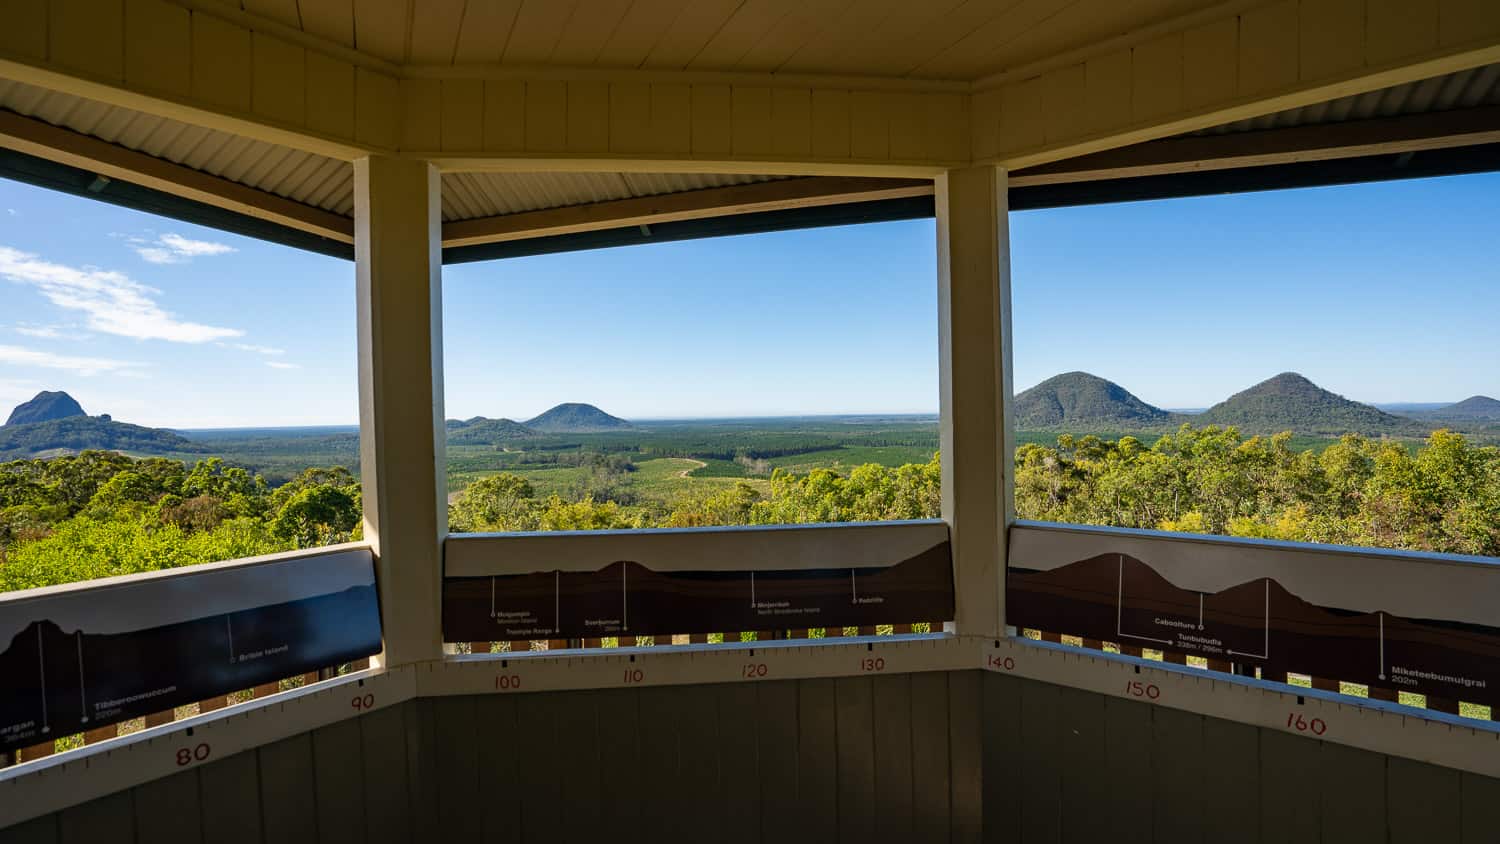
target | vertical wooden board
[
  {"x": 338, "y": 782},
  {"x": 382, "y": 737},
  {"x": 288, "y": 790},
  {"x": 1081, "y": 760},
  {"x": 713, "y": 124},
  {"x": 892, "y": 712},
  {"x": 588, "y": 116},
  {"x": 539, "y": 767},
  {"x": 421, "y": 763},
  {"x": 1177, "y": 767},
  {"x": 698, "y": 747},
  {"x": 999, "y": 740},
  {"x": 621, "y": 788},
  {"x": 1231, "y": 789},
  {"x": 1481, "y": 807},
  {"x": 1423, "y": 802},
  {"x": 421, "y": 114},
  {"x": 41, "y": 830},
  {"x": 739, "y": 774},
  {"x": 221, "y": 62},
  {"x": 330, "y": 95},
  {"x": 776, "y": 758},
  {"x": 546, "y": 116},
  {"x": 1156, "y": 78},
  {"x": 984, "y": 123},
  {"x": 1269, "y": 48},
  {"x": 1065, "y": 93},
  {"x": 158, "y": 46},
  {"x": 1109, "y": 90},
  {"x": 498, "y": 800},
  {"x": 1397, "y": 29},
  {"x": 1289, "y": 788},
  {"x": 829, "y": 124},
  {"x": 578, "y": 743},
  {"x": 817, "y": 760},
  {"x": 1463, "y": 21},
  {"x": 278, "y": 89},
  {"x": 25, "y": 30},
  {"x": 463, "y": 115},
  {"x": 671, "y": 118},
  {"x": 966, "y": 759},
  {"x": 85, "y": 35},
  {"x": 1128, "y": 764},
  {"x": 455, "y": 751},
  {"x": 1353, "y": 800},
  {"x": 869, "y": 125},
  {"x": 660, "y": 708},
  {"x": 1333, "y": 37},
  {"x": 908, "y": 126},
  {"x": 947, "y": 129},
  {"x": 377, "y": 108},
  {"x": 931, "y": 763},
  {"x": 791, "y": 121},
  {"x": 855, "y": 738},
  {"x": 1041, "y": 744},
  {"x": 1022, "y": 115},
  {"x": 166, "y": 810},
  {"x": 109, "y": 819},
  {"x": 504, "y": 115},
  {"x": 629, "y": 116},
  {"x": 750, "y": 114},
  {"x": 1209, "y": 69},
  {"x": 229, "y": 799}
]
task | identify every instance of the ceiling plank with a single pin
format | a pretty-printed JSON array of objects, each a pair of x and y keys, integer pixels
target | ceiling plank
[
  {"x": 538, "y": 27},
  {"x": 64, "y": 146},
  {"x": 588, "y": 31},
  {"x": 434, "y": 31},
  {"x": 486, "y": 29},
  {"x": 689, "y": 205}
]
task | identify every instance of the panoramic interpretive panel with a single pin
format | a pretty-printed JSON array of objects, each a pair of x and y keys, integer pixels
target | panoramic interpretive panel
[
  {"x": 696, "y": 580},
  {"x": 1428, "y": 624},
  {"x": 77, "y": 658}
]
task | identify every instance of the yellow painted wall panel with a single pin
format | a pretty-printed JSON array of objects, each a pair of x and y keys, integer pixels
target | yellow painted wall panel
[
  {"x": 330, "y": 96},
  {"x": 1333, "y": 37},
  {"x": 829, "y": 129},
  {"x": 1463, "y": 21},
  {"x": 1269, "y": 48},
  {"x": 630, "y": 116},
  {"x": 421, "y": 114},
  {"x": 25, "y": 30},
  {"x": 908, "y": 122},
  {"x": 1396, "y": 29},
  {"x": 751, "y": 117},
  {"x": 1109, "y": 88},
  {"x": 158, "y": 46},
  {"x": 1210, "y": 69},
  {"x": 278, "y": 84},
  {"x": 221, "y": 62},
  {"x": 869, "y": 125},
  {"x": 985, "y": 124},
  {"x": 1022, "y": 115},
  {"x": 546, "y": 116},
  {"x": 463, "y": 114},
  {"x": 504, "y": 115},
  {"x": 791, "y": 121},
  {"x": 1065, "y": 93},
  {"x": 1156, "y": 78},
  {"x": 377, "y": 108},
  {"x": 713, "y": 120},
  {"x": 85, "y": 35},
  {"x": 947, "y": 126},
  {"x": 588, "y": 116},
  {"x": 671, "y": 118}
]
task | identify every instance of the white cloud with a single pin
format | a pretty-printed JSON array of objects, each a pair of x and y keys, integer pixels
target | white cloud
[
  {"x": 79, "y": 366},
  {"x": 49, "y": 332},
  {"x": 251, "y": 347},
  {"x": 113, "y": 303},
  {"x": 13, "y": 212},
  {"x": 276, "y": 364},
  {"x": 176, "y": 249}
]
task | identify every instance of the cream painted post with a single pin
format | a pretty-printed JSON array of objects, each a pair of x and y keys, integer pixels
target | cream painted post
[
  {"x": 398, "y": 255},
  {"x": 975, "y": 385}
]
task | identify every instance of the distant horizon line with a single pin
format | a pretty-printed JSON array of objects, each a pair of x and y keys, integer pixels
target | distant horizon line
[{"x": 872, "y": 414}]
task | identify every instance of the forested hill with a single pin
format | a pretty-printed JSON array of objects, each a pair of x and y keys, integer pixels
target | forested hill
[
  {"x": 1290, "y": 402},
  {"x": 80, "y": 433},
  {"x": 1472, "y": 409},
  {"x": 482, "y": 431},
  {"x": 575, "y": 418},
  {"x": 1079, "y": 399}
]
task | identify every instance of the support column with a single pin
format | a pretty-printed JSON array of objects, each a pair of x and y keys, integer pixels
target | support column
[
  {"x": 398, "y": 255},
  {"x": 975, "y": 381}
]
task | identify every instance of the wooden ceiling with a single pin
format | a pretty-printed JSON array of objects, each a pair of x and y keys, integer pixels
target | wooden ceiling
[{"x": 926, "y": 39}]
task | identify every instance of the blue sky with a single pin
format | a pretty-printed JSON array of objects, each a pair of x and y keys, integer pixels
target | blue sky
[{"x": 1381, "y": 292}]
